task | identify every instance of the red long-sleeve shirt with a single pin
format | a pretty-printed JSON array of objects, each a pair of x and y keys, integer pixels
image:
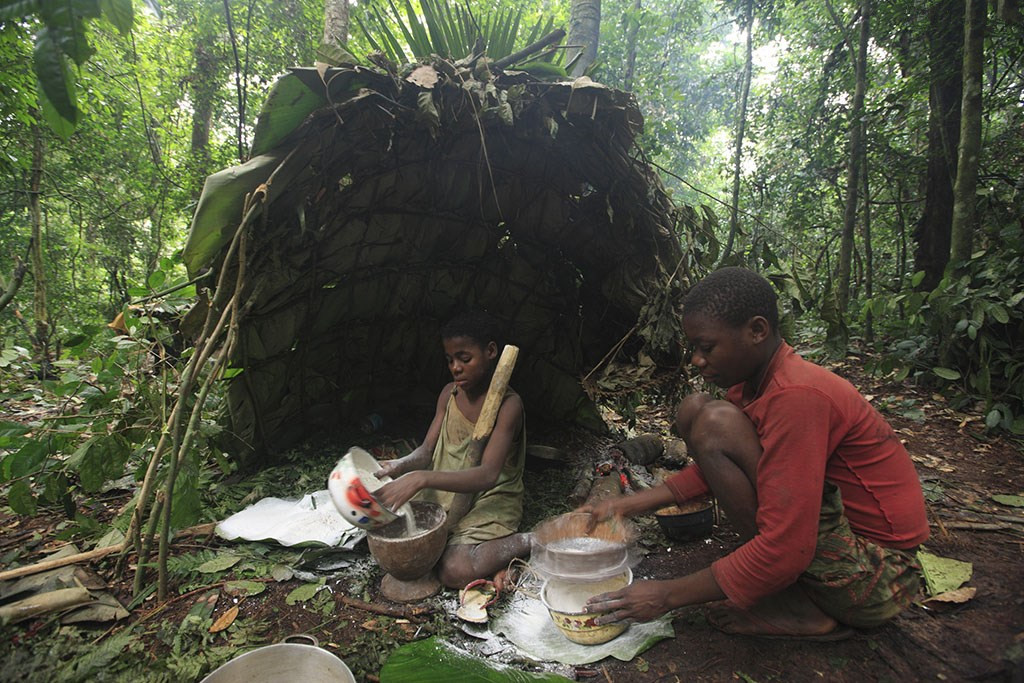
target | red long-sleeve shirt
[{"x": 813, "y": 426}]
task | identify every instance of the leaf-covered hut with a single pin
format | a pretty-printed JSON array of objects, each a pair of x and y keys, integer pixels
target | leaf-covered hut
[{"x": 378, "y": 203}]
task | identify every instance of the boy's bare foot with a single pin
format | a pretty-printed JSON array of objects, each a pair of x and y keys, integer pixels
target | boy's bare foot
[
  {"x": 502, "y": 580},
  {"x": 506, "y": 579},
  {"x": 776, "y": 621}
]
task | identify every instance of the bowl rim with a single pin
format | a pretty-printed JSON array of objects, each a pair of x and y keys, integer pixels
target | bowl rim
[
  {"x": 660, "y": 514},
  {"x": 357, "y": 461}
]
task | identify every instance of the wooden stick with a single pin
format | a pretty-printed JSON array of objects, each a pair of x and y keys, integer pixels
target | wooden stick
[
  {"x": 496, "y": 392},
  {"x": 1012, "y": 519},
  {"x": 90, "y": 555},
  {"x": 41, "y": 604},
  {"x": 398, "y": 612},
  {"x": 61, "y": 562},
  {"x": 938, "y": 522},
  {"x": 982, "y": 526},
  {"x": 171, "y": 290}
]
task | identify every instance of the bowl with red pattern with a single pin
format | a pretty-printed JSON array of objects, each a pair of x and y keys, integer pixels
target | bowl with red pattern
[{"x": 351, "y": 485}]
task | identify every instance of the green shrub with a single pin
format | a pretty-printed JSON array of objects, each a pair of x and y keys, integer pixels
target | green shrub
[{"x": 967, "y": 335}]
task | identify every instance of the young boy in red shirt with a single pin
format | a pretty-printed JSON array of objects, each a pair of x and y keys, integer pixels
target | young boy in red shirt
[{"x": 817, "y": 484}]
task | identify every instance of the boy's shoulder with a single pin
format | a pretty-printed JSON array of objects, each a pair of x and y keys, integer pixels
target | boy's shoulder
[
  {"x": 796, "y": 373},
  {"x": 513, "y": 400}
]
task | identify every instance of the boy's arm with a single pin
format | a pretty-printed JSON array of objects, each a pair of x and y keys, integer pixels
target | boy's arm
[
  {"x": 629, "y": 506},
  {"x": 472, "y": 480},
  {"x": 420, "y": 456},
  {"x": 646, "y": 600},
  {"x": 496, "y": 450}
]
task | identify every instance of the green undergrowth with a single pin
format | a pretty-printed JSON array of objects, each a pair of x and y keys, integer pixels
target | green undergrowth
[
  {"x": 172, "y": 646},
  {"x": 68, "y": 654}
]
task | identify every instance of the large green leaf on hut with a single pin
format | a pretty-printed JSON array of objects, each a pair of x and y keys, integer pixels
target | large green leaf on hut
[
  {"x": 221, "y": 203},
  {"x": 220, "y": 207},
  {"x": 290, "y": 101},
  {"x": 302, "y": 91},
  {"x": 293, "y": 99}
]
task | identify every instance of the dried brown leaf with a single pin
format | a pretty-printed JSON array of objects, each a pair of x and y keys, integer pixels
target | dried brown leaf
[
  {"x": 959, "y": 595},
  {"x": 224, "y": 620},
  {"x": 424, "y": 76}
]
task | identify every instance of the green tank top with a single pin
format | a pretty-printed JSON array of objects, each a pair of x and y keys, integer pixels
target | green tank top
[{"x": 495, "y": 513}]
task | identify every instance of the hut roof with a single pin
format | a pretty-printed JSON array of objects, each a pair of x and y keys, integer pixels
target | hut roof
[{"x": 394, "y": 199}]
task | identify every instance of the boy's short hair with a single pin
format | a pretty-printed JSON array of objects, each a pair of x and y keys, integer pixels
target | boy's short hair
[
  {"x": 480, "y": 326},
  {"x": 733, "y": 295}
]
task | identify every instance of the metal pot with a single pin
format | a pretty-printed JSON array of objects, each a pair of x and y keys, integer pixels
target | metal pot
[{"x": 285, "y": 661}]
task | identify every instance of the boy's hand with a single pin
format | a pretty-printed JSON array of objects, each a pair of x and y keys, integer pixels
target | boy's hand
[
  {"x": 601, "y": 511},
  {"x": 640, "y": 601},
  {"x": 397, "y": 493},
  {"x": 389, "y": 468}
]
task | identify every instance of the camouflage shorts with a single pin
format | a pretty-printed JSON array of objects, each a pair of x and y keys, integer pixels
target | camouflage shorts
[{"x": 851, "y": 578}]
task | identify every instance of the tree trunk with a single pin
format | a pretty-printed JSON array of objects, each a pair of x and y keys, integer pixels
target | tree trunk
[
  {"x": 584, "y": 32},
  {"x": 853, "y": 172},
  {"x": 631, "y": 34},
  {"x": 741, "y": 125},
  {"x": 945, "y": 69},
  {"x": 10, "y": 289},
  {"x": 969, "y": 151},
  {"x": 901, "y": 228},
  {"x": 1009, "y": 11},
  {"x": 240, "y": 82},
  {"x": 41, "y": 333},
  {"x": 335, "y": 22},
  {"x": 204, "y": 91},
  {"x": 869, "y": 254}
]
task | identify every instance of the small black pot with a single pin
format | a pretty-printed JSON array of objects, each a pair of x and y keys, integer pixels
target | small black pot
[{"x": 687, "y": 526}]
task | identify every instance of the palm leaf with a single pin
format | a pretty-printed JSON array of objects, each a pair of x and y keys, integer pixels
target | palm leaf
[
  {"x": 514, "y": 32},
  {"x": 412, "y": 37},
  {"x": 461, "y": 27},
  {"x": 493, "y": 36},
  {"x": 560, "y": 54},
  {"x": 436, "y": 29},
  {"x": 445, "y": 29},
  {"x": 397, "y": 54},
  {"x": 507, "y": 35},
  {"x": 369, "y": 37},
  {"x": 535, "y": 32}
]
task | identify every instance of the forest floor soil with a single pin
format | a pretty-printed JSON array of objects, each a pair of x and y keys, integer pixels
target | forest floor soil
[{"x": 961, "y": 468}]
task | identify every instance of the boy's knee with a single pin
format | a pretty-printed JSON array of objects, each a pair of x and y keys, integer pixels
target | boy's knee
[
  {"x": 452, "y": 577},
  {"x": 720, "y": 425},
  {"x": 699, "y": 414},
  {"x": 455, "y": 569},
  {"x": 687, "y": 411}
]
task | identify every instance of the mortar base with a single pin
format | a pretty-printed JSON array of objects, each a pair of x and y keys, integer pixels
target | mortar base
[{"x": 409, "y": 591}]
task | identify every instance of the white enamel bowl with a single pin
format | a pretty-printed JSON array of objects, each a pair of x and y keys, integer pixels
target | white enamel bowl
[{"x": 351, "y": 485}]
